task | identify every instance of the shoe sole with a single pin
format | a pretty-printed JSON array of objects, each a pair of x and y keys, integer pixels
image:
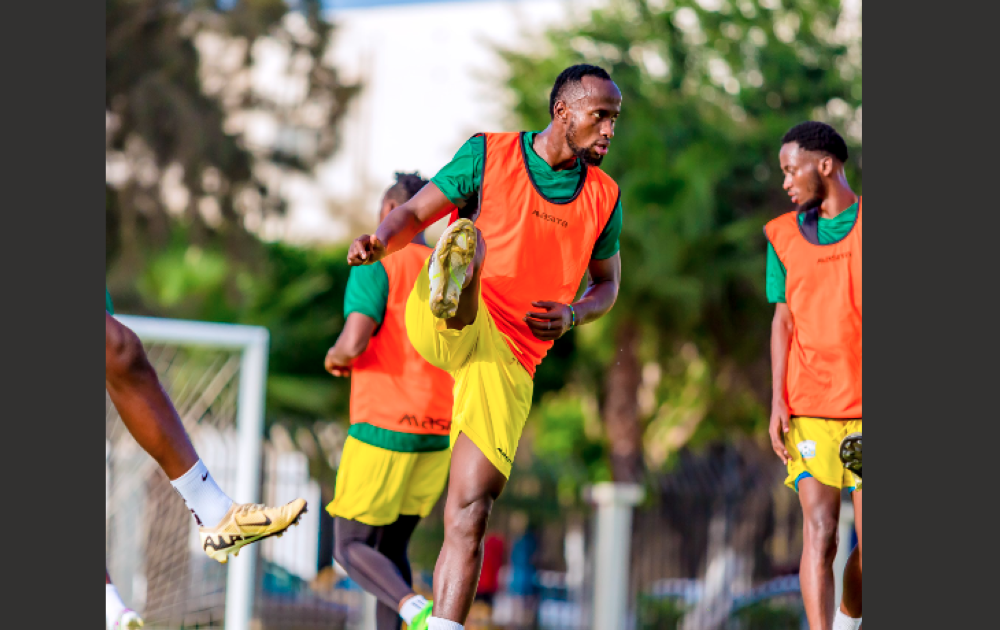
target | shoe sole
[
  {"x": 850, "y": 453},
  {"x": 449, "y": 267},
  {"x": 222, "y": 556}
]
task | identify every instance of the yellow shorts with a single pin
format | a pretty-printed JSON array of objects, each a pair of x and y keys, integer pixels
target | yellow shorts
[
  {"x": 376, "y": 486},
  {"x": 492, "y": 389},
  {"x": 814, "y": 446}
]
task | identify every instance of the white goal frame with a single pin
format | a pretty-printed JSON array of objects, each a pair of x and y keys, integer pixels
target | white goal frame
[{"x": 253, "y": 343}]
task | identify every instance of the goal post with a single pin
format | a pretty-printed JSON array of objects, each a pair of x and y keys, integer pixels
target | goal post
[{"x": 251, "y": 344}]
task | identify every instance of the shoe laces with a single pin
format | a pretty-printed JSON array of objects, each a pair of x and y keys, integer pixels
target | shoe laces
[{"x": 248, "y": 508}]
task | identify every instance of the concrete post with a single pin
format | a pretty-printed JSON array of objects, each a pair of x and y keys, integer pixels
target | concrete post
[{"x": 613, "y": 551}]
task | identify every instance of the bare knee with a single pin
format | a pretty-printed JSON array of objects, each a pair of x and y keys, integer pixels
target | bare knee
[
  {"x": 465, "y": 525},
  {"x": 124, "y": 354},
  {"x": 821, "y": 535}
]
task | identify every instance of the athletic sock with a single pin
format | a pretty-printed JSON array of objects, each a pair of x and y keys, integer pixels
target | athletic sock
[
  {"x": 443, "y": 624},
  {"x": 413, "y": 607},
  {"x": 113, "y": 605},
  {"x": 204, "y": 498},
  {"x": 843, "y": 622}
]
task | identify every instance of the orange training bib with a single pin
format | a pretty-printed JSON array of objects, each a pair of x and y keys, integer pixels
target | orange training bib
[
  {"x": 538, "y": 250},
  {"x": 392, "y": 386},
  {"x": 823, "y": 290}
]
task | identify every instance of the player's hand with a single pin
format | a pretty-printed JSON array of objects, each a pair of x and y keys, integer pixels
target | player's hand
[
  {"x": 780, "y": 425},
  {"x": 341, "y": 371},
  {"x": 365, "y": 250},
  {"x": 550, "y": 324}
]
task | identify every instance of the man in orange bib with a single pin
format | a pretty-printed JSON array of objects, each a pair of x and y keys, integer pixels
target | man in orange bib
[
  {"x": 814, "y": 278},
  {"x": 498, "y": 292},
  {"x": 395, "y": 462}
]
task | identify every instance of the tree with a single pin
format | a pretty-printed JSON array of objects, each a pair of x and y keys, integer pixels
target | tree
[
  {"x": 180, "y": 97},
  {"x": 709, "y": 87}
]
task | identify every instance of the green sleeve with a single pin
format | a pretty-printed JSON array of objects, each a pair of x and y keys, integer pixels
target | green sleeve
[
  {"x": 461, "y": 178},
  {"x": 776, "y": 275},
  {"x": 108, "y": 304},
  {"x": 367, "y": 292},
  {"x": 608, "y": 243}
]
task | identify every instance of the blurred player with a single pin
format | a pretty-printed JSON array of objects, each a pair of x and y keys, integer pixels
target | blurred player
[
  {"x": 814, "y": 278},
  {"x": 395, "y": 463},
  {"x": 497, "y": 294},
  {"x": 148, "y": 414}
]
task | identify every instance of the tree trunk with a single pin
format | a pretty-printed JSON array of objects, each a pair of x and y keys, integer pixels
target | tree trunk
[{"x": 621, "y": 407}]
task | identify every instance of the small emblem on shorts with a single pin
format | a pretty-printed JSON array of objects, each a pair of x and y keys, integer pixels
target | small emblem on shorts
[
  {"x": 808, "y": 449},
  {"x": 505, "y": 456}
]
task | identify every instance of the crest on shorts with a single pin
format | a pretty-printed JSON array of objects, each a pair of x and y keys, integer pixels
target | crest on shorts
[{"x": 808, "y": 449}]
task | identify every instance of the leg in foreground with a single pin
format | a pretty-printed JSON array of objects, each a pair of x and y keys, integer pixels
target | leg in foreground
[
  {"x": 821, "y": 511},
  {"x": 474, "y": 487},
  {"x": 152, "y": 420}
]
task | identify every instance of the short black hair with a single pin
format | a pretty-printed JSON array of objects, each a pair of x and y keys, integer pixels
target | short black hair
[
  {"x": 817, "y": 136},
  {"x": 407, "y": 185},
  {"x": 571, "y": 75}
]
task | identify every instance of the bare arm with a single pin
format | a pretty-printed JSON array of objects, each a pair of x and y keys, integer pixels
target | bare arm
[
  {"x": 596, "y": 302},
  {"x": 781, "y": 338},
  {"x": 400, "y": 227},
  {"x": 351, "y": 344}
]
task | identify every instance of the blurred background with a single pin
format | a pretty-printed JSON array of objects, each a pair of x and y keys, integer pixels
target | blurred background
[{"x": 247, "y": 142}]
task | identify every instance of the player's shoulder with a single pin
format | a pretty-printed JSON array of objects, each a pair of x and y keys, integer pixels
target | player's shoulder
[
  {"x": 599, "y": 176},
  {"x": 785, "y": 220}
]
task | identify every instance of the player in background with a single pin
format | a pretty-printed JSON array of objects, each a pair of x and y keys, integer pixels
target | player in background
[
  {"x": 150, "y": 417},
  {"x": 395, "y": 462},
  {"x": 497, "y": 294},
  {"x": 814, "y": 279}
]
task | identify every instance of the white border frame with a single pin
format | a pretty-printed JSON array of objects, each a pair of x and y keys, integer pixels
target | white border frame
[{"x": 253, "y": 342}]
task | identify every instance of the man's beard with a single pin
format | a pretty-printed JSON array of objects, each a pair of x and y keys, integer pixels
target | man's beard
[
  {"x": 583, "y": 154},
  {"x": 818, "y": 196}
]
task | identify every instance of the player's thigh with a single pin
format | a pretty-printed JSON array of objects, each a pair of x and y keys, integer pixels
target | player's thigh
[
  {"x": 445, "y": 349},
  {"x": 371, "y": 483},
  {"x": 492, "y": 400}
]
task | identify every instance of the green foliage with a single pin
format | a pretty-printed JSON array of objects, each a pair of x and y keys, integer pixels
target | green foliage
[
  {"x": 659, "y": 613},
  {"x": 707, "y": 96}
]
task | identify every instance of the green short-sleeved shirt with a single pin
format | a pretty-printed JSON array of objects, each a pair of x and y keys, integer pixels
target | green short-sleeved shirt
[
  {"x": 367, "y": 292},
  {"x": 108, "y": 304},
  {"x": 830, "y": 231},
  {"x": 461, "y": 178}
]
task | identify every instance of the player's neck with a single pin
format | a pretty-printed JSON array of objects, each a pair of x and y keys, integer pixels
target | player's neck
[
  {"x": 839, "y": 199},
  {"x": 557, "y": 153}
]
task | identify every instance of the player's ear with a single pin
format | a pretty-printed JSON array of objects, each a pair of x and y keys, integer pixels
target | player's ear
[
  {"x": 826, "y": 166},
  {"x": 560, "y": 111}
]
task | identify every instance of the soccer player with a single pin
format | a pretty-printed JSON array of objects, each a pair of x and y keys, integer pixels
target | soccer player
[
  {"x": 395, "y": 462},
  {"x": 814, "y": 278},
  {"x": 497, "y": 293},
  {"x": 145, "y": 409}
]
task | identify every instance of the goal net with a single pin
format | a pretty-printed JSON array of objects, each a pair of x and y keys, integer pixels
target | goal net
[{"x": 215, "y": 375}]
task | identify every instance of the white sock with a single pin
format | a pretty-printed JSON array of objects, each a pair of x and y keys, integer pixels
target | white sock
[
  {"x": 204, "y": 498},
  {"x": 843, "y": 622},
  {"x": 413, "y": 607},
  {"x": 113, "y": 605},
  {"x": 443, "y": 624}
]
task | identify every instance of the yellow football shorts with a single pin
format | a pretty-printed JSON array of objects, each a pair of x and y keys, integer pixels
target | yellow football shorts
[
  {"x": 492, "y": 389},
  {"x": 376, "y": 486},
  {"x": 814, "y": 447}
]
